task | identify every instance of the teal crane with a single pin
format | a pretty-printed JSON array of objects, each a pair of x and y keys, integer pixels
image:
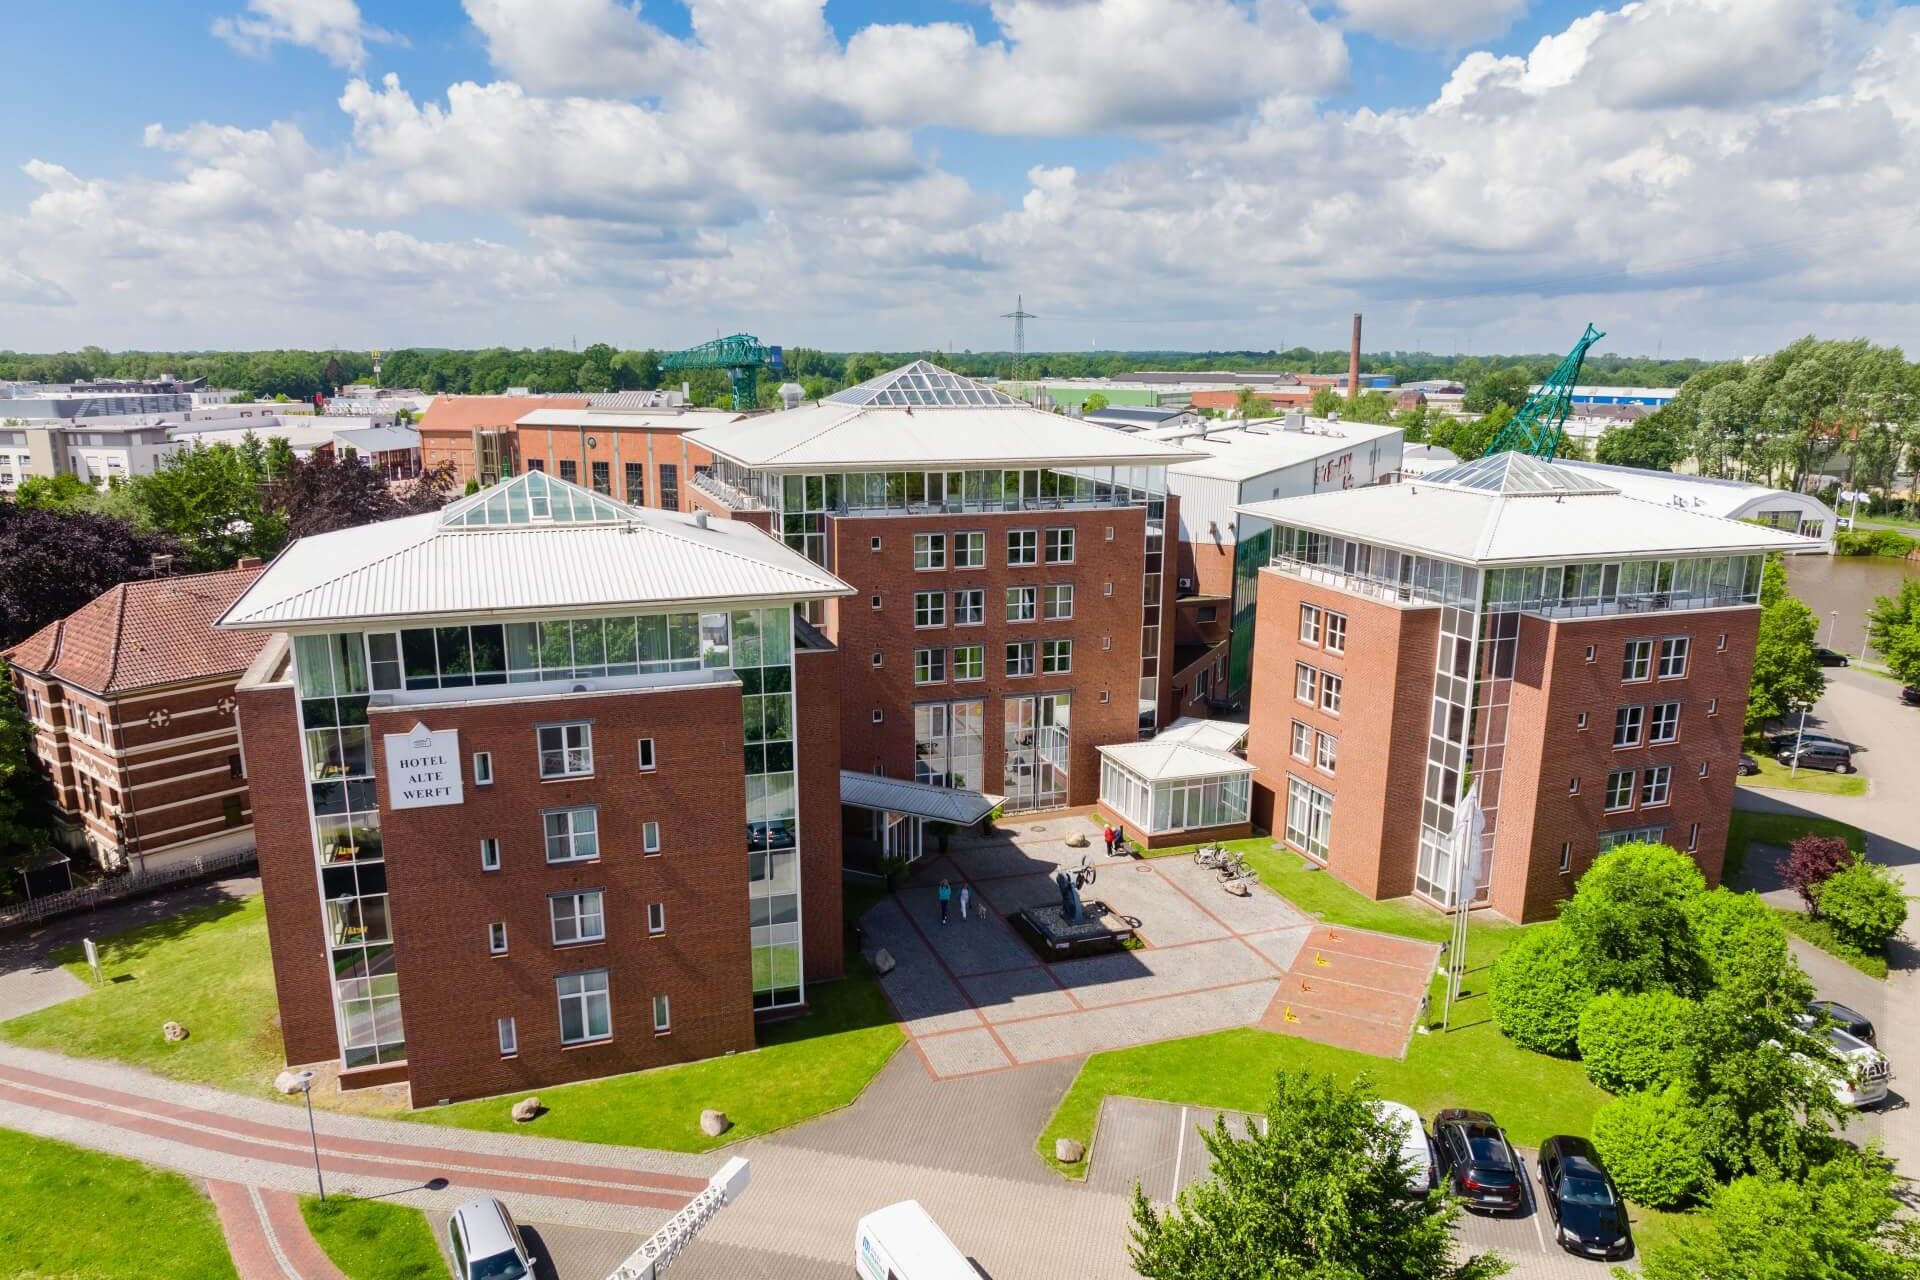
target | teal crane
[
  {"x": 1535, "y": 429},
  {"x": 741, "y": 356}
]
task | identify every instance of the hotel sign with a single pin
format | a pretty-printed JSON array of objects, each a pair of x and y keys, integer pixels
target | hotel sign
[{"x": 423, "y": 768}]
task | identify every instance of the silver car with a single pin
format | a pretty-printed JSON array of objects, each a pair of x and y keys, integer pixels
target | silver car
[{"x": 485, "y": 1243}]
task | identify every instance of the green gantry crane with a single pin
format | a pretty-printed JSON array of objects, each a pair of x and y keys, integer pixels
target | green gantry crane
[
  {"x": 742, "y": 356},
  {"x": 1536, "y": 428}
]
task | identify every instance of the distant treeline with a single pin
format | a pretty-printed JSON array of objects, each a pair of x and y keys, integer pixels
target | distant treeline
[{"x": 600, "y": 367}]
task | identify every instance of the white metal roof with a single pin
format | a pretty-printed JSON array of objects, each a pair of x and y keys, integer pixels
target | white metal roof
[
  {"x": 1213, "y": 735},
  {"x": 1513, "y": 509},
  {"x": 1159, "y": 760},
  {"x": 603, "y": 556},
  {"x": 896, "y": 795},
  {"x": 377, "y": 439},
  {"x": 1715, "y": 497},
  {"x": 871, "y": 426},
  {"x": 1265, "y": 445}
]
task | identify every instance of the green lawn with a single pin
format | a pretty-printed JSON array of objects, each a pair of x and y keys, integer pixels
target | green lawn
[
  {"x": 1821, "y": 935},
  {"x": 1750, "y": 827},
  {"x": 804, "y": 1067},
  {"x": 1472, "y": 1065},
  {"x": 207, "y": 969},
  {"x": 374, "y": 1240},
  {"x": 77, "y": 1214},
  {"x": 1776, "y": 776}
]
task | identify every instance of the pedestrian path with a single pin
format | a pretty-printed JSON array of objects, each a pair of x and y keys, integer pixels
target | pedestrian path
[{"x": 267, "y": 1235}]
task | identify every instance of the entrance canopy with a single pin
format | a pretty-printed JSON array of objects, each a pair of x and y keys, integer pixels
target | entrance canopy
[{"x": 914, "y": 799}]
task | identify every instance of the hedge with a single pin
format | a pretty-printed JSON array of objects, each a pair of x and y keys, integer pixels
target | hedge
[
  {"x": 1540, "y": 985},
  {"x": 1628, "y": 1042},
  {"x": 1652, "y": 1145},
  {"x": 1865, "y": 905}
]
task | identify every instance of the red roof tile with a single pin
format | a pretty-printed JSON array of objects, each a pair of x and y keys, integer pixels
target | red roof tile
[{"x": 140, "y": 634}]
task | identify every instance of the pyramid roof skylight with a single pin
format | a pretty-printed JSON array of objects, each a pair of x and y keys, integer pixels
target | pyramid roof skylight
[
  {"x": 1511, "y": 473},
  {"x": 923, "y": 385},
  {"x": 532, "y": 499}
]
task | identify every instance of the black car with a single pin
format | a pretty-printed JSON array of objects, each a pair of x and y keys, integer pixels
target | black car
[
  {"x": 1748, "y": 766},
  {"x": 1783, "y": 739},
  {"x": 1479, "y": 1163},
  {"x": 1836, "y": 756},
  {"x": 1910, "y": 694},
  {"x": 1830, "y": 657},
  {"x": 1828, "y": 1013},
  {"x": 1589, "y": 1218}
]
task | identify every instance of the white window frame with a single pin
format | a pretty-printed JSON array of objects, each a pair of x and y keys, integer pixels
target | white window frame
[
  {"x": 1301, "y": 745},
  {"x": 1663, "y": 723},
  {"x": 1310, "y": 624},
  {"x": 571, "y": 752},
  {"x": 662, "y": 1015},
  {"x": 1056, "y": 657},
  {"x": 930, "y": 666},
  {"x": 1636, "y": 663},
  {"x": 1023, "y": 604},
  {"x": 1306, "y": 684},
  {"x": 576, "y": 915},
  {"x": 1326, "y": 753},
  {"x": 970, "y": 549},
  {"x": 509, "y": 1036},
  {"x": 585, "y": 995},
  {"x": 1056, "y": 602},
  {"x": 1656, "y": 786},
  {"x": 570, "y": 838},
  {"x": 970, "y": 607},
  {"x": 969, "y": 662},
  {"x": 1026, "y": 653},
  {"x": 489, "y": 853},
  {"x": 1332, "y": 688},
  {"x": 497, "y": 938},
  {"x": 1621, "y": 788},
  {"x": 650, "y": 837},
  {"x": 1059, "y": 539},
  {"x": 656, "y": 919},
  {"x": 929, "y": 610},
  {"x": 1023, "y": 547},
  {"x": 1334, "y": 632},
  {"x": 1675, "y": 652},
  {"x": 929, "y": 552},
  {"x": 649, "y": 757},
  {"x": 1566, "y": 856},
  {"x": 1632, "y": 722},
  {"x": 483, "y": 768}
]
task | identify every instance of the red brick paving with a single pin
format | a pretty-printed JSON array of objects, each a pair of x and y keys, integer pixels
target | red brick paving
[
  {"x": 1354, "y": 990},
  {"x": 255, "y": 1221}
]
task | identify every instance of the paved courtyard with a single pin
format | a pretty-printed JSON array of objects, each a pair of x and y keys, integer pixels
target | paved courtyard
[{"x": 973, "y": 996}]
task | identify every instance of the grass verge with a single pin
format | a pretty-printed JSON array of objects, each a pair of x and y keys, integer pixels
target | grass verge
[
  {"x": 1775, "y": 776},
  {"x": 1471, "y": 1065},
  {"x": 1820, "y": 933},
  {"x": 69, "y": 1212},
  {"x": 1749, "y": 827},
  {"x": 373, "y": 1240},
  {"x": 207, "y": 969}
]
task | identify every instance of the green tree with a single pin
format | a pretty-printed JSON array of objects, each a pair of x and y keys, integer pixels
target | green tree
[
  {"x": 279, "y": 458},
  {"x": 1655, "y": 443},
  {"x": 1745, "y": 948},
  {"x": 1321, "y": 1192},
  {"x": 1509, "y": 385},
  {"x": 1540, "y": 986},
  {"x": 1628, "y": 1042},
  {"x": 1650, "y": 1143},
  {"x": 1628, "y": 920},
  {"x": 1786, "y": 672},
  {"x": 1865, "y": 905},
  {"x": 208, "y": 498},
  {"x": 1325, "y": 403},
  {"x": 1845, "y": 1221},
  {"x": 1761, "y": 1109},
  {"x": 1093, "y": 403},
  {"x": 592, "y": 376},
  {"x": 61, "y": 492},
  {"x": 1246, "y": 405},
  {"x": 1893, "y": 629},
  {"x": 23, "y": 834}
]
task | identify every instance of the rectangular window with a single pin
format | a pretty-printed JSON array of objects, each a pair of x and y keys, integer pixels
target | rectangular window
[
  {"x": 970, "y": 607},
  {"x": 586, "y": 1013},
  {"x": 1566, "y": 856},
  {"x": 929, "y": 608},
  {"x": 1304, "y": 683},
  {"x": 1330, "y": 689},
  {"x": 1580, "y": 722},
  {"x": 1722, "y": 643},
  {"x": 483, "y": 768},
  {"x": 1059, "y": 546},
  {"x": 1619, "y": 790},
  {"x": 1703, "y": 768},
  {"x": 1022, "y": 603},
  {"x": 1673, "y": 657},
  {"x": 489, "y": 854},
  {"x": 670, "y": 486},
  {"x": 1590, "y": 653},
  {"x": 603, "y": 478},
  {"x": 1713, "y": 706},
  {"x": 970, "y": 550},
  {"x": 879, "y": 658},
  {"x": 577, "y": 917},
  {"x": 929, "y": 551},
  {"x": 1666, "y": 722},
  {"x": 566, "y": 750},
  {"x": 1056, "y": 603},
  {"x": 1327, "y": 748},
  {"x": 1336, "y": 632},
  {"x": 1309, "y": 624},
  {"x": 497, "y": 938},
  {"x": 1628, "y": 725},
  {"x": 1020, "y": 658},
  {"x": 1056, "y": 657},
  {"x": 536, "y": 464},
  {"x": 1309, "y": 818},
  {"x": 1023, "y": 546},
  {"x": 1693, "y": 836},
  {"x": 646, "y": 755},
  {"x": 873, "y": 544},
  {"x": 650, "y": 837},
  {"x": 636, "y": 483},
  {"x": 1638, "y": 662},
  {"x": 1573, "y": 786},
  {"x": 509, "y": 1037},
  {"x": 570, "y": 471},
  {"x": 573, "y": 835},
  {"x": 656, "y": 919},
  {"x": 929, "y": 666},
  {"x": 1302, "y": 743},
  {"x": 662, "y": 1016},
  {"x": 1655, "y": 784},
  {"x": 875, "y": 602},
  {"x": 969, "y": 662}
]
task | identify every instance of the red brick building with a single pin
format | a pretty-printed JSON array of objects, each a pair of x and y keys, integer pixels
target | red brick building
[
  {"x": 1011, "y": 599},
  {"x": 1582, "y": 656},
  {"x": 548, "y": 789},
  {"x": 131, "y": 699}
]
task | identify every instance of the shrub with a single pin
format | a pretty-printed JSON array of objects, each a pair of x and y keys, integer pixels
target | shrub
[
  {"x": 1865, "y": 905},
  {"x": 1540, "y": 985},
  {"x": 1629, "y": 1041},
  {"x": 1810, "y": 861},
  {"x": 1628, "y": 917},
  {"x": 1650, "y": 1143},
  {"x": 1745, "y": 946}
]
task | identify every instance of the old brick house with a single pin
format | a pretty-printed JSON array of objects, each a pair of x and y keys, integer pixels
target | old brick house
[{"x": 131, "y": 699}]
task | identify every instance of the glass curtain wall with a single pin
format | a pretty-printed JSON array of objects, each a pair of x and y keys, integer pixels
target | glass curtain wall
[
  {"x": 759, "y": 647},
  {"x": 1038, "y": 737},
  {"x": 948, "y": 744}
]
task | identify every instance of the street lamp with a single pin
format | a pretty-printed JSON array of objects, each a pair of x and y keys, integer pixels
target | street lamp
[
  {"x": 304, "y": 1082},
  {"x": 1833, "y": 620}
]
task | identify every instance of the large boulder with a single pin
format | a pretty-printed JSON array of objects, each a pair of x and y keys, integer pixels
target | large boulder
[
  {"x": 714, "y": 1123},
  {"x": 1067, "y": 1151},
  {"x": 1078, "y": 840},
  {"x": 173, "y": 1032},
  {"x": 526, "y": 1109},
  {"x": 287, "y": 1082},
  {"x": 882, "y": 962}
]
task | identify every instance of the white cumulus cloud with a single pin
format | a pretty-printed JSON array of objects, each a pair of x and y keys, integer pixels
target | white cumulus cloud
[{"x": 332, "y": 28}]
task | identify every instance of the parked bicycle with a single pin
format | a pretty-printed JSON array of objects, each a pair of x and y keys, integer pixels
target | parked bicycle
[
  {"x": 1241, "y": 884},
  {"x": 1210, "y": 856},
  {"x": 1233, "y": 866},
  {"x": 1083, "y": 875}
]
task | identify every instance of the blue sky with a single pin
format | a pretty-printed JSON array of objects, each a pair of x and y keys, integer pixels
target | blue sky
[{"x": 1711, "y": 176}]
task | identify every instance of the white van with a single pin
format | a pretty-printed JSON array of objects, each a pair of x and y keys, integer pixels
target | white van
[{"x": 900, "y": 1242}]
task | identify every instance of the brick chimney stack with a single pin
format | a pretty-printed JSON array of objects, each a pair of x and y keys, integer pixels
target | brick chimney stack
[{"x": 1353, "y": 361}]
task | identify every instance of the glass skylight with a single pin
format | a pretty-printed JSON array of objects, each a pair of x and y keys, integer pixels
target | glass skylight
[
  {"x": 1514, "y": 473},
  {"x": 924, "y": 385},
  {"x": 534, "y": 498}
]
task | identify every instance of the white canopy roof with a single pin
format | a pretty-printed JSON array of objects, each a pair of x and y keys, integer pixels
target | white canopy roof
[
  {"x": 1514, "y": 509},
  {"x": 1187, "y": 748},
  {"x": 923, "y": 417},
  {"x": 533, "y": 545}
]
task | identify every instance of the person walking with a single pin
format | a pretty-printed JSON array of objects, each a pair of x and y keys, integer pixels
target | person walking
[
  {"x": 1110, "y": 839},
  {"x": 966, "y": 896},
  {"x": 946, "y": 897}
]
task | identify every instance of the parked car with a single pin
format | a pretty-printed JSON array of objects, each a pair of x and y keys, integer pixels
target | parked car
[
  {"x": 1480, "y": 1164},
  {"x": 1415, "y": 1146},
  {"x": 1588, "y": 1215},
  {"x": 1779, "y": 738},
  {"x": 486, "y": 1244},
  {"x": 1748, "y": 766},
  {"x": 1830, "y": 1013},
  {"x": 1829, "y": 657},
  {"x": 1858, "y": 1073},
  {"x": 1819, "y": 755},
  {"x": 1910, "y": 695}
]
